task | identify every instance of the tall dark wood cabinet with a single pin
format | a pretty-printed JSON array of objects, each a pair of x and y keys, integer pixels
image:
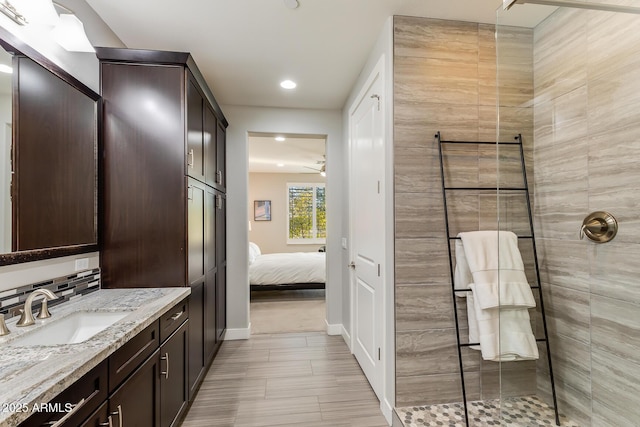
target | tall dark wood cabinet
[{"x": 163, "y": 203}]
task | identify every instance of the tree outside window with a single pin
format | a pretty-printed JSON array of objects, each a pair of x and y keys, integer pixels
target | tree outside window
[{"x": 307, "y": 218}]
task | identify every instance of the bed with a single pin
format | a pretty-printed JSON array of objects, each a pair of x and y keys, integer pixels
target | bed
[{"x": 297, "y": 270}]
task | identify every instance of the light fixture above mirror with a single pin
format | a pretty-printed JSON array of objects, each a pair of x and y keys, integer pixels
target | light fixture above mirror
[{"x": 65, "y": 28}]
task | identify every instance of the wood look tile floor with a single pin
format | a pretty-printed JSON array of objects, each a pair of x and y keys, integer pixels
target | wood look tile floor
[{"x": 303, "y": 379}]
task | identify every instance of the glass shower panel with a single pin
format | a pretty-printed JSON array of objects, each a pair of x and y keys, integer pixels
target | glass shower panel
[{"x": 568, "y": 90}]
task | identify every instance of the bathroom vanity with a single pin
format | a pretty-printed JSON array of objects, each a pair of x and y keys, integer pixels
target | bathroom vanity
[{"x": 133, "y": 372}]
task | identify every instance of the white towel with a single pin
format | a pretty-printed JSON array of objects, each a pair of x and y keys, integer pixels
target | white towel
[
  {"x": 462, "y": 275},
  {"x": 504, "y": 334},
  {"x": 497, "y": 269}
]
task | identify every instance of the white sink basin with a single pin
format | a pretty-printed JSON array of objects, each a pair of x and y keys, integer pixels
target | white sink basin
[{"x": 72, "y": 329}]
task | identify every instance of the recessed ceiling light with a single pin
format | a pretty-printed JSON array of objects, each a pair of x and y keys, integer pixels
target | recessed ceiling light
[
  {"x": 288, "y": 84},
  {"x": 5, "y": 69},
  {"x": 280, "y": 165},
  {"x": 277, "y": 138},
  {"x": 291, "y": 4}
]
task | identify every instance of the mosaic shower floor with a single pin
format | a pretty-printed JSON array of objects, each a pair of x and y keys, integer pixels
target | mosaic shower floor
[{"x": 519, "y": 411}]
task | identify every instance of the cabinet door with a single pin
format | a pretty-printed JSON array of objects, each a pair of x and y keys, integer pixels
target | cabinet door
[
  {"x": 196, "y": 336},
  {"x": 195, "y": 140},
  {"x": 174, "y": 390},
  {"x": 195, "y": 225},
  {"x": 137, "y": 401},
  {"x": 100, "y": 418},
  {"x": 221, "y": 143},
  {"x": 210, "y": 146},
  {"x": 210, "y": 315},
  {"x": 221, "y": 260},
  {"x": 143, "y": 192}
]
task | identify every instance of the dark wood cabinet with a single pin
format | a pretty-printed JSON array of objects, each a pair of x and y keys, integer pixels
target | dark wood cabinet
[
  {"x": 174, "y": 393},
  {"x": 221, "y": 160},
  {"x": 164, "y": 177},
  {"x": 137, "y": 401},
  {"x": 210, "y": 123},
  {"x": 195, "y": 131},
  {"x": 221, "y": 262},
  {"x": 196, "y": 336}
]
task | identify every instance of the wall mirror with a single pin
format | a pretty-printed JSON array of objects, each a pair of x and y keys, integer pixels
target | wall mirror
[{"x": 48, "y": 158}]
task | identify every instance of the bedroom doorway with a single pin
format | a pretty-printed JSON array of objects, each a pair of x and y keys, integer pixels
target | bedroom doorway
[{"x": 287, "y": 233}]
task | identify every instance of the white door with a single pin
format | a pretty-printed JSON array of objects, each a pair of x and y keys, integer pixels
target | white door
[{"x": 367, "y": 235}]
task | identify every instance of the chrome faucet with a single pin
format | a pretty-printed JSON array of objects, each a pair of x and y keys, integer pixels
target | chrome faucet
[{"x": 26, "y": 319}]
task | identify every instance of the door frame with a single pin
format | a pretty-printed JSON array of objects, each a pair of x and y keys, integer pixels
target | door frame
[{"x": 382, "y": 70}]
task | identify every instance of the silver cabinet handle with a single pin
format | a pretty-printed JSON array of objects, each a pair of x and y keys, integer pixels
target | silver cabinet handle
[
  {"x": 218, "y": 201},
  {"x": 191, "y": 158},
  {"x": 109, "y": 422},
  {"x": 165, "y": 373},
  {"x": 69, "y": 414},
  {"x": 119, "y": 414},
  {"x": 219, "y": 177},
  {"x": 176, "y": 316}
]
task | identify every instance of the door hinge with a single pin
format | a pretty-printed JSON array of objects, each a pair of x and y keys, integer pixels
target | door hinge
[
  {"x": 378, "y": 270},
  {"x": 379, "y": 353}
]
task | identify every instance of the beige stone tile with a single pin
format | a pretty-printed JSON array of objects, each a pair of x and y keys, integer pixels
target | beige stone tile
[
  {"x": 432, "y": 389},
  {"x": 417, "y": 170},
  {"x": 417, "y": 80},
  {"x": 351, "y": 410},
  {"x": 424, "y": 306},
  {"x": 487, "y": 43},
  {"x": 613, "y": 43},
  {"x": 615, "y": 270},
  {"x": 460, "y": 165},
  {"x": 260, "y": 342},
  {"x": 571, "y": 364},
  {"x": 513, "y": 382},
  {"x": 335, "y": 367},
  {"x": 568, "y": 312},
  {"x": 414, "y": 213},
  {"x": 562, "y": 263},
  {"x": 559, "y": 214},
  {"x": 513, "y": 121},
  {"x": 571, "y": 403},
  {"x": 515, "y": 43},
  {"x": 463, "y": 211},
  {"x": 420, "y": 260},
  {"x": 514, "y": 84},
  {"x": 615, "y": 327},
  {"x": 613, "y": 101},
  {"x": 560, "y": 54},
  {"x": 455, "y": 123},
  {"x": 426, "y": 352},
  {"x": 435, "y": 38},
  {"x": 615, "y": 388}
]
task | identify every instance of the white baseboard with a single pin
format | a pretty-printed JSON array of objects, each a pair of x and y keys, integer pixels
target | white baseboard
[
  {"x": 237, "y": 334},
  {"x": 346, "y": 337},
  {"x": 333, "y": 329},
  {"x": 387, "y": 410}
]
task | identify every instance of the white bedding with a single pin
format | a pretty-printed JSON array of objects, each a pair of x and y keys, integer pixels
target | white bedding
[{"x": 288, "y": 268}]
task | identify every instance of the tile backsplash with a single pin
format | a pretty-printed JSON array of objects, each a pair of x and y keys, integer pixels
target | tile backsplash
[{"x": 84, "y": 282}]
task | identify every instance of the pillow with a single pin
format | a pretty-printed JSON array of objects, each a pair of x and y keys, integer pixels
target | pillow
[{"x": 254, "y": 252}]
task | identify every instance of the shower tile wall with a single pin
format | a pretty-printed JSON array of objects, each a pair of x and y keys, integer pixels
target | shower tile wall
[
  {"x": 587, "y": 158},
  {"x": 444, "y": 80}
]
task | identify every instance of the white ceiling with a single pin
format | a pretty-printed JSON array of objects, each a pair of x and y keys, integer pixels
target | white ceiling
[
  {"x": 297, "y": 154},
  {"x": 245, "y": 48}
]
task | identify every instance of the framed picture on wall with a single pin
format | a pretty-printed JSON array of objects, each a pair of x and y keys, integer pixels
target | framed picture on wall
[{"x": 262, "y": 210}]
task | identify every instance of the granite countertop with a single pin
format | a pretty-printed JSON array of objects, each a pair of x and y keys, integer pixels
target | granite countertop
[{"x": 36, "y": 374}]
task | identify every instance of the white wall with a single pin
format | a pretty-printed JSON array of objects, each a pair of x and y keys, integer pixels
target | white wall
[
  {"x": 382, "y": 49},
  {"x": 83, "y": 66},
  {"x": 258, "y": 119},
  {"x": 271, "y": 236}
]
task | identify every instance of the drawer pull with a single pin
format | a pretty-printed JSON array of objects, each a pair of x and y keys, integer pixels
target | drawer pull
[
  {"x": 165, "y": 373},
  {"x": 69, "y": 414},
  {"x": 119, "y": 414},
  {"x": 109, "y": 423},
  {"x": 176, "y": 316}
]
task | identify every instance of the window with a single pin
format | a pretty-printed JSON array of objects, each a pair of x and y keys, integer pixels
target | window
[{"x": 307, "y": 219}]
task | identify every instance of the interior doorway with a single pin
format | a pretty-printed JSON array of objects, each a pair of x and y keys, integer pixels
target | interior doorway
[{"x": 287, "y": 232}]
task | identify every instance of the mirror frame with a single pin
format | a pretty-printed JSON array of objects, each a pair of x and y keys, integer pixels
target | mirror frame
[{"x": 14, "y": 45}]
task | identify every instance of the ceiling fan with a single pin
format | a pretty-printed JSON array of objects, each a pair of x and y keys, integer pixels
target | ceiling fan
[{"x": 323, "y": 167}]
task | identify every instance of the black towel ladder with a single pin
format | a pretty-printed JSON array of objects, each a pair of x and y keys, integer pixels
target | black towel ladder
[{"x": 524, "y": 189}]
